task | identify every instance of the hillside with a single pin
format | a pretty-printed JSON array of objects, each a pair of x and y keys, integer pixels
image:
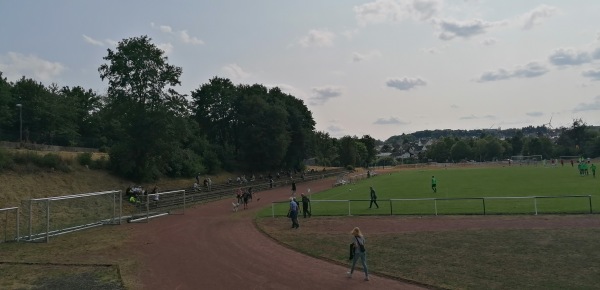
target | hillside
[{"x": 25, "y": 183}]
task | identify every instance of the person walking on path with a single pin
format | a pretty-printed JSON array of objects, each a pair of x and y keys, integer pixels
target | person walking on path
[
  {"x": 305, "y": 205},
  {"x": 293, "y": 188},
  {"x": 359, "y": 252},
  {"x": 373, "y": 198},
  {"x": 293, "y": 213},
  {"x": 433, "y": 184}
]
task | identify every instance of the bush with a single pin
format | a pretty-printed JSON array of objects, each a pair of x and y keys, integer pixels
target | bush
[
  {"x": 85, "y": 158},
  {"x": 6, "y": 160},
  {"x": 349, "y": 167},
  {"x": 102, "y": 163},
  {"x": 50, "y": 160}
]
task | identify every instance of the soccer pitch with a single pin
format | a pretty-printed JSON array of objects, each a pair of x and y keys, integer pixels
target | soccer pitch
[{"x": 476, "y": 190}]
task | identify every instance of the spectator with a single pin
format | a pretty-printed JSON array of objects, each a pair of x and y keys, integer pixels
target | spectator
[
  {"x": 359, "y": 252},
  {"x": 305, "y": 205},
  {"x": 293, "y": 213},
  {"x": 373, "y": 198}
]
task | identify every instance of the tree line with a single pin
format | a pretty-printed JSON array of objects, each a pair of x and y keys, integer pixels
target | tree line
[
  {"x": 150, "y": 130},
  {"x": 577, "y": 140}
]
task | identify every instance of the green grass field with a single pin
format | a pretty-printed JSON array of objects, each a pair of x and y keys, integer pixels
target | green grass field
[
  {"x": 562, "y": 258},
  {"x": 492, "y": 190}
]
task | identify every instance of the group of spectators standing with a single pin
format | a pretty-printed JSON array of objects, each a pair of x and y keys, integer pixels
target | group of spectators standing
[
  {"x": 294, "y": 209},
  {"x": 207, "y": 183},
  {"x": 134, "y": 193},
  {"x": 243, "y": 197}
]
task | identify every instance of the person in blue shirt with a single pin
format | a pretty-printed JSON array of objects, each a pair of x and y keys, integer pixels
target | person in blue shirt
[{"x": 293, "y": 213}]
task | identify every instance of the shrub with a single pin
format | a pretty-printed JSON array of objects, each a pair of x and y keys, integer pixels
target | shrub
[
  {"x": 50, "y": 160},
  {"x": 102, "y": 163},
  {"x": 6, "y": 160},
  {"x": 84, "y": 158}
]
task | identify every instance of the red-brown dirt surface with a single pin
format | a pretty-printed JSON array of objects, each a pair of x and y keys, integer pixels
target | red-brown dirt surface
[{"x": 211, "y": 247}]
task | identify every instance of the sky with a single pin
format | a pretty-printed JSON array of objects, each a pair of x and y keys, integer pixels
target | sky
[{"x": 380, "y": 68}]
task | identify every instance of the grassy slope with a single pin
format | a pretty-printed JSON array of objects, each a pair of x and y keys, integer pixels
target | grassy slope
[{"x": 25, "y": 183}]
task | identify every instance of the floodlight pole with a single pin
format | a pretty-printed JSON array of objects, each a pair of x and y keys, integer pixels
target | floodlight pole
[{"x": 20, "y": 122}]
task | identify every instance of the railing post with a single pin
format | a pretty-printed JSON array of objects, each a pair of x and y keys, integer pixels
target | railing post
[
  {"x": 30, "y": 219},
  {"x": 535, "y": 205},
  {"x": 391, "y": 208},
  {"x": 47, "y": 221},
  {"x": 590, "y": 199},
  {"x": 120, "y": 205},
  {"x": 349, "y": 211},
  {"x": 484, "y": 212},
  {"x": 435, "y": 206},
  {"x": 17, "y": 217}
]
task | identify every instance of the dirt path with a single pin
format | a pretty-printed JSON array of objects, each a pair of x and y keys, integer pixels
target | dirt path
[{"x": 210, "y": 247}]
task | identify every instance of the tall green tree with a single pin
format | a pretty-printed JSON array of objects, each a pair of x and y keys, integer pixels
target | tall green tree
[
  {"x": 371, "y": 153},
  {"x": 148, "y": 112},
  {"x": 9, "y": 113}
]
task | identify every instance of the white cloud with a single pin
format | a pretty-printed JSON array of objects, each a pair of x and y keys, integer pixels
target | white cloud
[
  {"x": 112, "y": 42},
  {"x": 166, "y": 47},
  {"x": 537, "y": 15},
  {"x": 405, "y": 84},
  {"x": 186, "y": 38},
  {"x": 358, "y": 57},
  {"x": 92, "y": 41},
  {"x": 593, "y": 74},
  {"x": 473, "y": 117},
  {"x": 534, "y": 114},
  {"x": 317, "y": 38},
  {"x": 165, "y": 28},
  {"x": 530, "y": 70},
  {"x": 14, "y": 65},
  {"x": 489, "y": 41},
  {"x": 235, "y": 71},
  {"x": 336, "y": 131},
  {"x": 289, "y": 89},
  {"x": 593, "y": 106},
  {"x": 380, "y": 11},
  {"x": 569, "y": 56},
  {"x": 182, "y": 35},
  {"x": 324, "y": 94},
  {"x": 390, "y": 121},
  {"x": 465, "y": 29}
]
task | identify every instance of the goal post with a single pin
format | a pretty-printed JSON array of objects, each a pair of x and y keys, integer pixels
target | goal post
[
  {"x": 527, "y": 159},
  {"x": 9, "y": 225},
  {"x": 158, "y": 204},
  {"x": 52, "y": 216}
]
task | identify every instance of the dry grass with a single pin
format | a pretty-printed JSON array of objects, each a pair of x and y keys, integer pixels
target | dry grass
[
  {"x": 464, "y": 259},
  {"x": 91, "y": 256}
]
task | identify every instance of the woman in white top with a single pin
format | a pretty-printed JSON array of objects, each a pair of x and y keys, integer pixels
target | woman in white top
[{"x": 359, "y": 252}]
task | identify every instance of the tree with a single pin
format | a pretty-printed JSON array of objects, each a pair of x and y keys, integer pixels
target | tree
[
  {"x": 148, "y": 112},
  {"x": 349, "y": 154},
  {"x": 460, "y": 151},
  {"x": 9, "y": 113},
  {"x": 371, "y": 153},
  {"x": 300, "y": 125},
  {"x": 263, "y": 137}
]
